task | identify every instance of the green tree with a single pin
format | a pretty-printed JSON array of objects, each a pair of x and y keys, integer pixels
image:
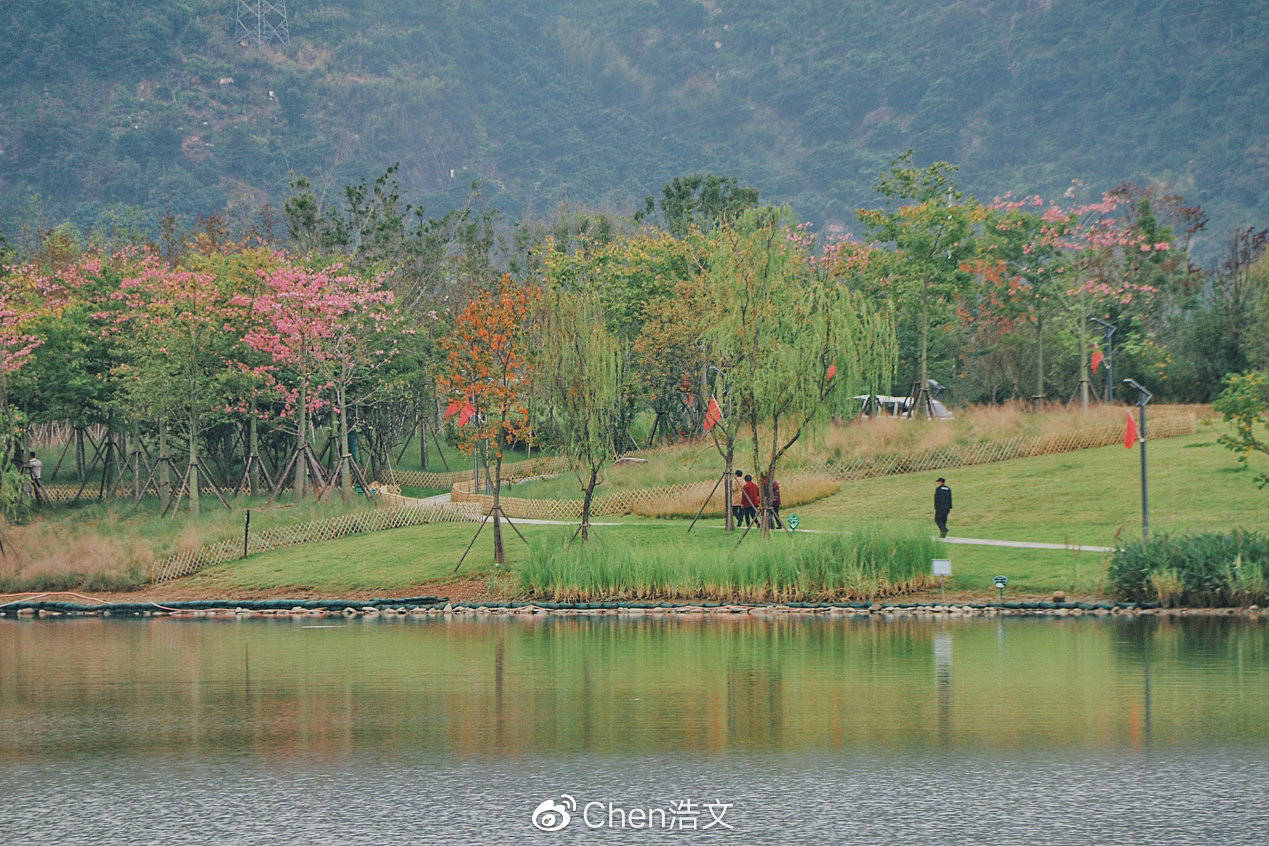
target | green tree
[
  {"x": 797, "y": 336},
  {"x": 933, "y": 236},
  {"x": 583, "y": 379},
  {"x": 1244, "y": 403},
  {"x": 702, "y": 200}
]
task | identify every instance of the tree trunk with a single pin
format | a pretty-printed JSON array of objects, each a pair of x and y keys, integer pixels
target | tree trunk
[
  {"x": 301, "y": 458},
  {"x": 421, "y": 429},
  {"x": 253, "y": 448},
  {"x": 345, "y": 457},
  {"x": 165, "y": 468},
  {"x": 729, "y": 523},
  {"x": 1039, "y": 356},
  {"x": 193, "y": 463},
  {"x": 107, "y": 448},
  {"x": 587, "y": 499},
  {"x": 1083, "y": 367},
  {"x": 136, "y": 460},
  {"x": 500, "y": 553},
  {"x": 923, "y": 390}
]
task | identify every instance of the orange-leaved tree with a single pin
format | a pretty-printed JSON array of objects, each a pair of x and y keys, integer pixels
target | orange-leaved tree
[{"x": 487, "y": 376}]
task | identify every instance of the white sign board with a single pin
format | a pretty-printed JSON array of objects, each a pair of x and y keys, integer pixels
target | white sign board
[{"x": 942, "y": 566}]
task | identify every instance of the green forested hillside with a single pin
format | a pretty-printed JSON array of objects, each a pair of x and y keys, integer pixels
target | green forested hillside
[{"x": 115, "y": 105}]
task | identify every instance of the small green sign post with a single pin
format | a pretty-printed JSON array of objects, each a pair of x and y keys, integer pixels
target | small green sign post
[
  {"x": 794, "y": 520},
  {"x": 1000, "y": 582}
]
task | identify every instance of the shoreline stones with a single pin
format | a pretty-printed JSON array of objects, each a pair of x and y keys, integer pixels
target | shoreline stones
[{"x": 432, "y": 606}]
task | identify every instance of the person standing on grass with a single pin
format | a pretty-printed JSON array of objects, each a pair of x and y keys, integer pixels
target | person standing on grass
[
  {"x": 738, "y": 497},
  {"x": 753, "y": 498},
  {"x": 771, "y": 495},
  {"x": 942, "y": 505},
  {"x": 35, "y": 467}
]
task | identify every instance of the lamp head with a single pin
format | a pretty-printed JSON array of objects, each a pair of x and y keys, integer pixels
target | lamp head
[{"x": 1146, "y": 396}]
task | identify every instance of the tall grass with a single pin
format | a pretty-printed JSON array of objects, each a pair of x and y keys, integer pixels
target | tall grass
[
  {"x": 113, "y": 545},
  {"x": 1213, "y": 568},
  {"x": 870, "y": 563}
]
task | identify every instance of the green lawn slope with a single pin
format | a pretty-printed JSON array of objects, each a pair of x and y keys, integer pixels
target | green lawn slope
[{"x": 1088, "y": 497}]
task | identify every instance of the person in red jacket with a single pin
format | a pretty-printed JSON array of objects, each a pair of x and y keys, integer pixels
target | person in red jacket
[
  {"x": 771, "y": 492},
  {"x": 752, "y": 499}
]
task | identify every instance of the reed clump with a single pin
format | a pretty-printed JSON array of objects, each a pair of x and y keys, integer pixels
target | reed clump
[
  {"x": 1211, "y": 568},
  {"x": 873, "y": 562}
]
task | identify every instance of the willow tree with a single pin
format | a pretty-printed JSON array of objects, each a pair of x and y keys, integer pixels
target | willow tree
[
  {"x": 582, "y": 378},
  {"x": 797, "y": 336}
]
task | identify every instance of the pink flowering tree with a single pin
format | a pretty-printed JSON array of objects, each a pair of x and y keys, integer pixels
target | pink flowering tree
[
  {"x": 179, "y": 346},
  {"x": 72, "y": 374},
  {"x": 16, "y": 347},
  {"x": 1042, "y": 262},
  {"x": 1104, "y": 248},
  {"x": 319, "y": 330}
]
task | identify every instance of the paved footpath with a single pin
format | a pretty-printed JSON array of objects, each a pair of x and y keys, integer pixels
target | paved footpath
[{"x": 444, "y": 498}]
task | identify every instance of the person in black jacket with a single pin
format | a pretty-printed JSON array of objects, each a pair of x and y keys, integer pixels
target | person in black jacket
[{"x": 942, "y": 505}]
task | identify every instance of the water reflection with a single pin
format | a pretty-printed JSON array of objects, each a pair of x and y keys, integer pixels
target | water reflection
[{"x": 279, "y": 690}]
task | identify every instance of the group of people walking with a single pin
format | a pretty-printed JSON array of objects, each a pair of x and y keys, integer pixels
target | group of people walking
[{"x": 747, "y": 496}]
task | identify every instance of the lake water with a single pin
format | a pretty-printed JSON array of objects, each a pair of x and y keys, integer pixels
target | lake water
[{"x": 791, "y": 730}]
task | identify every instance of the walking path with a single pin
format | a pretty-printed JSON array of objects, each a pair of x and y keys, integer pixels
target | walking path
[{"x": 1072, "y": 547}]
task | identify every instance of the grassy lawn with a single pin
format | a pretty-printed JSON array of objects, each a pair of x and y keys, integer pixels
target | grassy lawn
[
  {"x": 406, "y": 558},
  {"x": 389, "y": 561},
  {"x": 1084, "y": 497}
]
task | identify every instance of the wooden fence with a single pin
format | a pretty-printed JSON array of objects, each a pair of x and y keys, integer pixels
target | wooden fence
[
  {"x": 806, "y": 479},
  {"x": 395, "y": 513}
]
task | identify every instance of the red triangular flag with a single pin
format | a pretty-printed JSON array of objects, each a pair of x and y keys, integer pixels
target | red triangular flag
[
  {"x": 1130, "y": 431},
  {"x": 452, "y": 409},
  {"x": 713, "y": 414},
  {"x": 1097, "y": 359},
  {"x": 832, "y": 371},
  {"x": 466, "y": 413}
]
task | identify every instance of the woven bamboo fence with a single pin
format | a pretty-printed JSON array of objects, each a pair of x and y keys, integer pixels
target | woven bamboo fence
[
  {"x": 396, "y": 513},
  {"x": 806, "y": 479},
  {"x": 516, "y": 471},
  {"x": 647, "y": 501},
  {"x": 988, "y": 452}
]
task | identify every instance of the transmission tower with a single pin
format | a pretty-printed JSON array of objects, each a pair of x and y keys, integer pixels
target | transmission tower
[{"x": 261, "y": 22}]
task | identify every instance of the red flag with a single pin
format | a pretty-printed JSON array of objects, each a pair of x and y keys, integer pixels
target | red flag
[
  {"x": 832, "y": 371},
  {"x": 713, "y": 415},
  {"x": 466, "y": 414},
  {"x": 1097, "y": 359},
  {"x": 452, "y": 409},
  {"x": 1130, "y": 431}
]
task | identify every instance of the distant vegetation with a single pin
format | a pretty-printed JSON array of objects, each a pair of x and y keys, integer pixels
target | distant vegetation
[{"x": 118, "y": 113}]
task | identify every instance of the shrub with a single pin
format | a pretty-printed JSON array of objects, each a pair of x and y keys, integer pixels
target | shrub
[{"x": 1213, "y": 568}]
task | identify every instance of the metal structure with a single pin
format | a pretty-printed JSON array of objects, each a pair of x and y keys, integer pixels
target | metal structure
[
  {"x": 1110, "y": 355},
  {"x": 1143, "y": 397},
  {"x": 261, "y": 22}
]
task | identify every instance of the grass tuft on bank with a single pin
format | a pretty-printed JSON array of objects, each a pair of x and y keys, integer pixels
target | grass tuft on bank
[{"x": 871, "y": 562}]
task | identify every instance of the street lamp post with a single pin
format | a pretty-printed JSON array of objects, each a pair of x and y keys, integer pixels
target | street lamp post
[
  {"x": 1143, "y": 397},
  {"x": 1110, "y": 356}
]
